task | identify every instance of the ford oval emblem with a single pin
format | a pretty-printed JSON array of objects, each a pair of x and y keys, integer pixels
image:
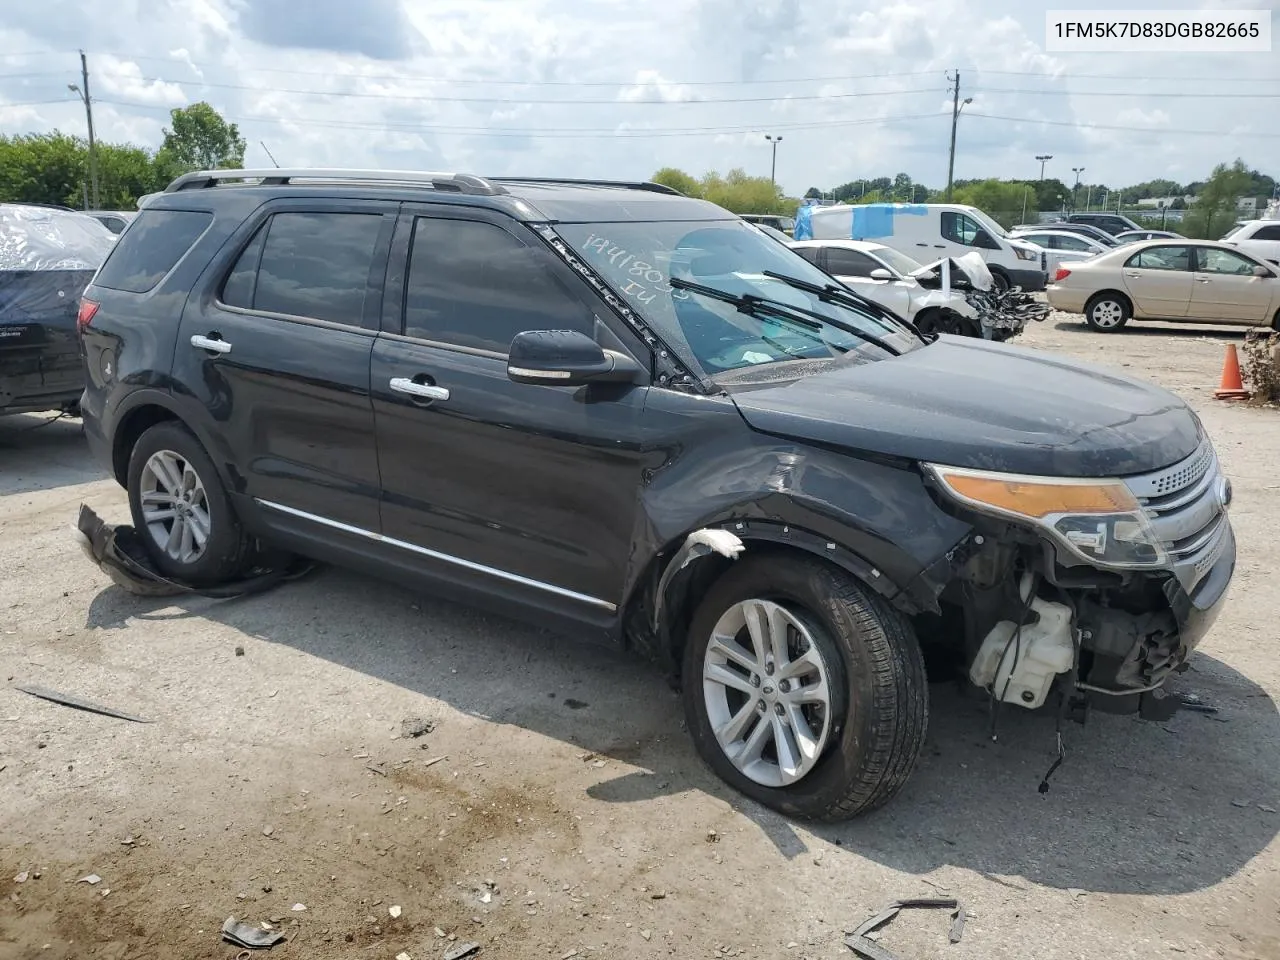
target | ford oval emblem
[{"x": 1223, "y": 491}]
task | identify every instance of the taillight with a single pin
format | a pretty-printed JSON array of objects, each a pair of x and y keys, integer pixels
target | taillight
[
  {"x": 88, "y": 308},
  {"x": 1061, "y": 274}
]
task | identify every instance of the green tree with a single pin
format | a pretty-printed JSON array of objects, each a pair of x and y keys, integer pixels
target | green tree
[
  {"x": 678, "y": 180},
  {"x": 43, "y": 168},
  {"x": 1215, "y": 206},
  {"x": 125, "y": 173},
  {"x": 903, "y": 187},
  {"x": 1002, "y": 200},
  {"x": 201, "y": 139},
  {"x": 813, "y": 193}
]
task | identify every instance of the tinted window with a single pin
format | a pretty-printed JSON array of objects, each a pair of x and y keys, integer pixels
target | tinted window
[
  {"x": 809, "y": 253},
  {"x": 1222, "y": 261},
  {"x": 849, "y": 263},
  {"x": 147, "y": 252},
  {"x": 1161, "y": 258},
  {"x": 958, "y": 228},
  {"x": 1268, "y": 233},
  {"x": 475, "y": 285},
  {"x": 307, "y": 265}
]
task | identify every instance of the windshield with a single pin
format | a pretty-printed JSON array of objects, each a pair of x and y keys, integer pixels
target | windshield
[
  {"x": 991, "y": 226},
  {"x": 1233, "y": 231},
  {"x": 639, "y": 259},
  {"x": 898, "y": 261}
]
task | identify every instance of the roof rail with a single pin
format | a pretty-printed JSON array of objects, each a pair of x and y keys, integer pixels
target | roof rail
[
  {"x": 450, "y": 182},
  {"x": 623, "y": 184}
]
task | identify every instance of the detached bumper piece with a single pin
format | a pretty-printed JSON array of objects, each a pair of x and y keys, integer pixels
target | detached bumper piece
[{"x": 118, "y": 552}]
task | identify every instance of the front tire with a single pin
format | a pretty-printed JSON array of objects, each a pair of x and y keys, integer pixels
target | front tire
[
  {"x": 1107, "y": 312},
  {"x": 181, "y": 510},
  {"x": 803, "y": 690}
]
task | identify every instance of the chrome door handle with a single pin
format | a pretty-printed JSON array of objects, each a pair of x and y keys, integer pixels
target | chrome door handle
[
  {"x": 1202, "y": 280},
  {"x": 214, "y": 346},
  {"x": 1133, "y": 276},
  {"x": 428, "y": 391}
]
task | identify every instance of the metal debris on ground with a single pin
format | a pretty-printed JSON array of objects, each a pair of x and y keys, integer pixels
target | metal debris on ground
[
  {"x": 460, "y": 950},
  {"x": 432, "y": 763},
  {"x": 298, "y": 907},
  {"x": 91, "y": 879},
  {"x": 21, "y": 878},
  {"x": 79, "y": 703},
  {"x": 416, "y": 726},
  {"x": 860, "y": 943},
  {"x": 249, "y": 936}
]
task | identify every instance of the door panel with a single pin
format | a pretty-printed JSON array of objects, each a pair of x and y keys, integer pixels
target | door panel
[
  {"x": 1159, "y": 282},
  {"x": 530, "y": 485},
  {"x": 1226, "y": 289},
  {"x": 289, "y": 394}
]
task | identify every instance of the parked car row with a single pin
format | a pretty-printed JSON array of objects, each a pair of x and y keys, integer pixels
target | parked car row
[{"x": 628, "y": 415}]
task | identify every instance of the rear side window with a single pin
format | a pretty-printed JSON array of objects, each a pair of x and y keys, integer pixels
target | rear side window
[
  {"x": 472, "y": 284},
  {"x": 1161, "y": 258},
  {"x": 157, "y": 241},
  {"x": 307, "y": 265},
  {"x": 1267, "y": 233}
]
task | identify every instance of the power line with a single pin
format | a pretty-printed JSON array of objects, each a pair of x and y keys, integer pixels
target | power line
[
  {"x": 550, "y": 133},
  {"x": 433, "y": 98},
  {"x": 1132, "y": 93},
  {"x": 1128, "y": 129},
  {"x": 35, "y": 103},
  {"x": 1117, "y": 76}
]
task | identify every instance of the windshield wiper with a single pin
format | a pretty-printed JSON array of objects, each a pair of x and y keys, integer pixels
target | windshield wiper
[
  {"x": 753, "y": 305},
  {"x": 843, "y": 297}
]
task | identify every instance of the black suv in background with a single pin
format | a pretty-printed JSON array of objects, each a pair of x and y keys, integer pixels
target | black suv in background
[
  {"x": 626, "y": 414},
  {"x": 1111, "y": 223}
]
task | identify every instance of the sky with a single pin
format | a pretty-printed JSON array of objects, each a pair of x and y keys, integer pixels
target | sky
[{"x": 616, "y": 89}]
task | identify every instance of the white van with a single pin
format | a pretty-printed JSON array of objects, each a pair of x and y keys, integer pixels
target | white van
[{"x": 930, "y": 231}]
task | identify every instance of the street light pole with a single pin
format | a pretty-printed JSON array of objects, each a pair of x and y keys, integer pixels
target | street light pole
[
  {"x": 956, "y": 107},
  {"x": 773, "y": 167},
  {"x": 83, "y": 90},
  {"x": 1042, "y": 158},
  {"x": 1076, "y": 189}
]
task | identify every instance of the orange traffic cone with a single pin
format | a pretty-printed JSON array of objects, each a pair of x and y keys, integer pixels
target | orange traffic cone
[{"x": 1231, "y": 387}]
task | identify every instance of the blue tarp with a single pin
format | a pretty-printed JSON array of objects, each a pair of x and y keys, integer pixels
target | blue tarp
[{"x": 868, "y": 221}]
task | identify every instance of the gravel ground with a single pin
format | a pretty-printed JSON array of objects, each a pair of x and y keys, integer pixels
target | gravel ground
[{"x": 557, "y": 805}]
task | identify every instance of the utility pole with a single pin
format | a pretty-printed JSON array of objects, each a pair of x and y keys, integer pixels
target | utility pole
[
  {"x": 83, "y": 90},
  {"x": 956, "y": 106},
  {"x": 773, "y": 167}
]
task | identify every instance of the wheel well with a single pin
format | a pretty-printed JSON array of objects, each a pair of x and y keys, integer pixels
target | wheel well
[
  {"x": 133, "y": 426},
  {"x": 1109, "y": 293},
  {"x": 996, "y": 269},
  {"x": 684, "y": 595}
]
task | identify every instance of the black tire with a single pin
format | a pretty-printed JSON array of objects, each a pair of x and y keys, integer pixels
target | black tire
[
  {"x": 226, "y": 550},
  {"x": 1275, "y": 322},
  {"x": 1000, "y": 279},
  {"x": 1107, "y": 312},
  {"x": 879, "y": 702},
  {"x": 935, "y": 320}
]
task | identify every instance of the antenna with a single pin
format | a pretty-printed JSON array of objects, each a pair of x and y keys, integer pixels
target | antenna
[{"x": 273, "y": 159}]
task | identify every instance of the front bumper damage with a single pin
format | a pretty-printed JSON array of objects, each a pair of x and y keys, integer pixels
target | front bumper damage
[{"x": 1107, "y": 638}]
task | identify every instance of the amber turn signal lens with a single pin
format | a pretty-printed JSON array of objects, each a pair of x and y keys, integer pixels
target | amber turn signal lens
[{"x": 1036, "y": 499}]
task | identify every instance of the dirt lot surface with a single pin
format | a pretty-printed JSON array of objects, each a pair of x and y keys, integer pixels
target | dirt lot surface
[{"x": 558, "y": 806}]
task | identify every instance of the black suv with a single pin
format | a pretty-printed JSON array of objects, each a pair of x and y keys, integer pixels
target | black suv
[
  {"x": 1111, "y": 223},
  {"x": 626, "y": 414}
]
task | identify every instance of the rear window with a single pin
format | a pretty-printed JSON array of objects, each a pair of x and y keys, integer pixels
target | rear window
[{"x": 157, "y": 240}]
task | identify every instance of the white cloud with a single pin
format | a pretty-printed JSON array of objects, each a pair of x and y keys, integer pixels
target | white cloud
[{"x": 612, "y": 89}]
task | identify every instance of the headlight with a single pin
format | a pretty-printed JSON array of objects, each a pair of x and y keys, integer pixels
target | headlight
[
  {"x": 1026, "y": 254},
  {"x": 1098, "y": 520}
]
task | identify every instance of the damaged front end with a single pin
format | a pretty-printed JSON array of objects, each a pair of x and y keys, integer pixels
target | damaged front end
[
  {"x": 982, "y": 310},
  {"x": 1101, "y": 588}
]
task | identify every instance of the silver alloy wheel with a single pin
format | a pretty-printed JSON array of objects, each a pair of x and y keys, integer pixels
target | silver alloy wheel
[
  {"x": 175, "y": 508},
  {"x": 1107, "y": 314},
  {"x": 765, "y": 685}
]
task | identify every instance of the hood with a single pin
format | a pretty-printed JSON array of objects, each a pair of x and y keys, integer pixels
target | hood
[{"x": 991, "y": 406}]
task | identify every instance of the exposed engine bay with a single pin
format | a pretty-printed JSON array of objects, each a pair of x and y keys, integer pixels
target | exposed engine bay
[{"x": 993, "y": 314}]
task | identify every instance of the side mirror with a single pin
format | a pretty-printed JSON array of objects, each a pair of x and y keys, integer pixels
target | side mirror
[
  {"x": 1260, "y": 271},
  {"x": 880, "y": 273},
  {"x": 984, "y": 239},
  {"x": 565, "y": 358}
]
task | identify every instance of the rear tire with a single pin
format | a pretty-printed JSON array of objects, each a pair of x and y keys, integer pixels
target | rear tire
[
  {"x": 849, "y": 686},
  {"x": 181, "y": 511},
  {"x": 1107, "y": 312}
]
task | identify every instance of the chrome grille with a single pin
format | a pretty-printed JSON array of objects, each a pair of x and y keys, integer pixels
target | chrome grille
[{"x": 1185, "y": 504}]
